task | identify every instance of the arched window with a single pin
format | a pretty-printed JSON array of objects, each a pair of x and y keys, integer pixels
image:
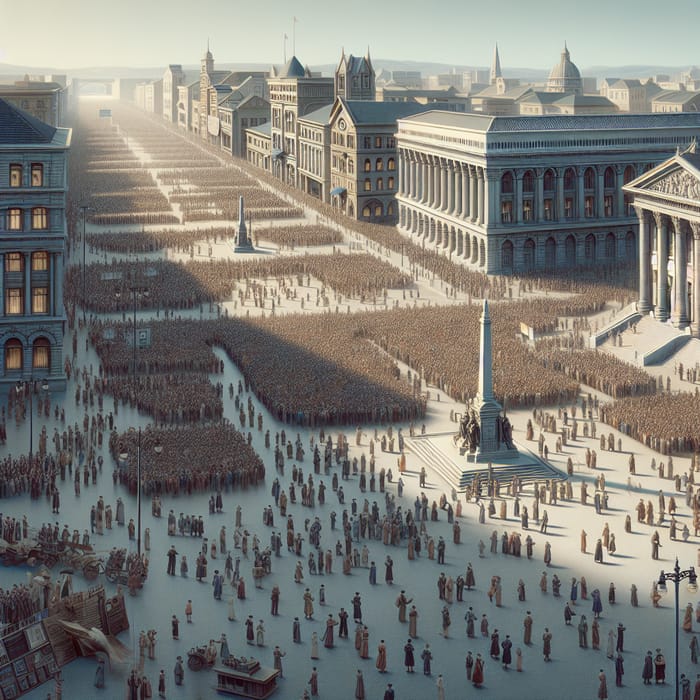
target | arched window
[
  {"x": 391, "y": 164},
  {"x": 507, "y": 255},
  {"x": 380, "y": 164},
  {"x": 368, "y": 185},
  {"x": 589, "y": 247},
  {"x": 529, "y": 182},
  {"x": 366, "y": 212},
  {"x": 589, "y": 179},
  {"x": 351, "y": 166},
  {"x": 610, "y": 246},
  {"x": 550, "y": 253},
  {"x": 390, "y": 209},
  {"x": 507, "y": 183},
  {"x": 368, "y": 165},
  {"x": 570, "y": 251},
  {"x": 378, "y": 210},
  {"x": 631, "y": 247},
  {"x": 629, "y": 174},
  {"x": 548, "y": 181},
  {"x": 390, "y": 183},
  {"x": 13, "y": 355},
  {"x": 41, "y": 354},
  {"x": 569, "y": 179},
  {"x": 529, "y": 255},
  {"x": 609, "y": 178},
  {"x": 380, "y": 183}
]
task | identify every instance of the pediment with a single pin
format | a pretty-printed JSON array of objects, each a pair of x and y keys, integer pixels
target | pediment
[{"x": 677, "y": 178}]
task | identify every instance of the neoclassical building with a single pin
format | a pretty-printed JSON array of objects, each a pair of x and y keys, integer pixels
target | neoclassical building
[
  {"x": 667, "y": 201},
  {"x": 33, "y": 165},
  {"x": 526, "y": 194}
]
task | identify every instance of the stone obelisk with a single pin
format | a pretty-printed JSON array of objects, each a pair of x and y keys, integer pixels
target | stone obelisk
[{"x": 243, "y": 243}]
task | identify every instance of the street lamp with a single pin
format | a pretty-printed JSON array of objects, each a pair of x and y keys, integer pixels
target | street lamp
[
  {"x": 21, "y": 390},
  {"x": 677, "y": 576}
]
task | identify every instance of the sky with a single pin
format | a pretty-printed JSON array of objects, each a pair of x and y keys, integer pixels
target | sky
[{"x": 67, "y": 34}]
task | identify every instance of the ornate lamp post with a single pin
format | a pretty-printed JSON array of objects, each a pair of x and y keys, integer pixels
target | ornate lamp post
[
  {"x": 677, "y": 576},
  {"x": 21, "y": 388}
]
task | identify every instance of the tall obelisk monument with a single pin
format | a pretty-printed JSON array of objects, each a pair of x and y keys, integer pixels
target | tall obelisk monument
[{"x": 243, "y": 242}]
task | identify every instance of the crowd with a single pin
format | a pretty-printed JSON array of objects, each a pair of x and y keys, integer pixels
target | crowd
[
  {"x": 178, "y": 240},
  {"x": 297, "y": 236}
]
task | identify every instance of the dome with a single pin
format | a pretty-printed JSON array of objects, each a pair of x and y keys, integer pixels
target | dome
[{"x": 565, "y": 76}]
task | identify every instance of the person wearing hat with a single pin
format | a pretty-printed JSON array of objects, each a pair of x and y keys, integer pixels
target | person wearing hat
[
  {"x": 217, "y": 582},
  {"x": 648, "y": 670},
  {"x": 659, "y": 667},
  {"x": 179, "y": 671},
  {"x": 389, "y": 692}
]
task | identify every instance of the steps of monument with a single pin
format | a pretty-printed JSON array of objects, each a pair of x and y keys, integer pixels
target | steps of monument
[{"x": 460, "y": 477}]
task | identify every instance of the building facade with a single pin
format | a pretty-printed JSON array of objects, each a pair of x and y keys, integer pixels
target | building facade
[
  {"x": 524, "y": 194},
  {"x": 33, "y": 171},
  {"x": 314, "y": 153},
  {"x": 173, "y": 78},
  {"x": 667, "y": 201},
  {"x": 46, "y": 101}
]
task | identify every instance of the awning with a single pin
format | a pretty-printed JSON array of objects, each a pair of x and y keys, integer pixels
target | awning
[
  {"x": 338, "y": 191},
  {"x": 277, "y": 153}
]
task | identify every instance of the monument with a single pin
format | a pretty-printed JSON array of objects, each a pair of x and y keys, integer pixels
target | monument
[
  {"x": 243, "y": 242},
  {"x": 487, "y": 435}
]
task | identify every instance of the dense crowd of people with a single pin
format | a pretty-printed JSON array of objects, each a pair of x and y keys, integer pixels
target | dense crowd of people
[{"x": 178, "y": 240}]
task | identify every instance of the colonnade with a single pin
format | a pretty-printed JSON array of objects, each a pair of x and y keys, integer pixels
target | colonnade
[{"x": 669, "y": 268}]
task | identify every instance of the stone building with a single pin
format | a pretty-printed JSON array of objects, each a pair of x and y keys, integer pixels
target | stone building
[
  {"x": 314, "y": 153},
  {"x": 355, "y": 77},
  {"x": 33, "y": 168},
  {"x": 173, "y": 78},
  {"x": 667, "y": 201},
  {"x": 526, "y": 194},
  {"x": 44, "y": 100}
]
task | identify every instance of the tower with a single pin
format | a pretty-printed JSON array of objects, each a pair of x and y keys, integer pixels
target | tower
[
  {"x": 355, "y": 78},
  {"x": 495, "y": 67},
  {"x": 243, "y": 243}
]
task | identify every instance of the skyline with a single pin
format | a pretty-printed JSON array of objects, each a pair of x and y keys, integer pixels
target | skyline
[{"x": 72, "y": 35}]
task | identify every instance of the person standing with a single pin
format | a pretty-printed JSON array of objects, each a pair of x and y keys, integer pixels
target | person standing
[
  {"x": 161, "y": 684},
  {"x": 547, "y": 644},
  {"x": 175, "y": 626},
  {"x": 527, "y": 624},
  {"x": 389, "y": 692},
  {"x": 648, "y": 669},
  {"x": 172, "y": 559},
  {"x": 427, "y": 656},
  {"x": 179, "y": 671},
  {"x": 478, "y": 672},
  {"x": 506, "y": 658},
  {"x": 381, "y": 657},
  {"x": 328, "y": 634},
  {"x": 659, "y": 667},
  {"x": 602, "y": 686},
  {"x": 359, "y": 686},
  {"x": 619, "y": 670},
  {"x": 408, "y": 658},
  {"x": 313, "y": 682},
  {"x": 277, "y": 663},
  {"x": 413, "y": 622},
  {"x": 440, "y": 688},
  {"x": 275, "y": 600}
]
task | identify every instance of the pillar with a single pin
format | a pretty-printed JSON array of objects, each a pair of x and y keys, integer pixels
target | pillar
[
  {"x": 600, "y": 192},
  {"x": 457, "y": 209},
  {"x": 518, "y": 203},
  {"x": 27, "y": 284},
  {"x": 443, "y": 185},
  {"x": 680, "y": 281},
  {"x": 695, "y": 325},
  {"x": 429, "y": 181},
  {"x": 539, "y": 192},
  {"x": 465, "y": 211},
  {"x": 620, "y": 204},
  {"x": 436, "y": 183},
  {"x": 472, "y": 193},
  {"x": 644, "y": 304},
  {"x": 450, "y": 187},
  {"x": 2, "y": 285},
  {"x": 480, "y": 195},
  {"x": 661, "y": 267},
  {"x": 580, "y": 204},
  {"x": 494, "y": 197},
  {"x": 559, "y": 213}
]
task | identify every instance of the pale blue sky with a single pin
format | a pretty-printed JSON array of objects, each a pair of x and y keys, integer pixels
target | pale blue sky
[{"x": 530, "y": 33}]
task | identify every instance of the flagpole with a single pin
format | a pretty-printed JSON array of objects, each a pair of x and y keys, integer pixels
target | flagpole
[{"x": 284, "y": 50}]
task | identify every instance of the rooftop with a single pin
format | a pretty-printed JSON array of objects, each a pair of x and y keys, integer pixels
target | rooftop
[{"x": 19, "y": 127}]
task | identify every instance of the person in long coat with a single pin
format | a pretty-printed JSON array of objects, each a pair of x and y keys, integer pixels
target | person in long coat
[
  {"x": 478, "y": 672},
  {"x": 598, "y": 555},
  {"x": 146, "y": 689},
  {"x": 659, "y": 667},
  {"x": 495, "y": 651},
  {"x": 595, "y": 634},
  {"x": 602, "y": 686},
  {"x": 313, "y": 682},
  {"x": 179, "y": 671},
  {"x": 381, "y": 657},
  {"x": 308, "y": 604},
  {"x": 328, "y": 634},
  {"x": 619, "y": 670},
  {"x": 161, "y": 684},
  {"x": 597, "y": 604},
  {"x": 547, "y": 644},
  {"x": 440, "y": 688},
  {"x": 364, "y": 643},
  {"x": 583, "y": 632},
  {"x": 427, "y": 657},
  {"x": 359, "y": 686},
  {"x": 408, "y": 658},
  {"x": 413, "y": 622},
  {"x": 249, "y": 629},
  {"x": 506, "y": 658},
  {"x": 648, "y": 669}
]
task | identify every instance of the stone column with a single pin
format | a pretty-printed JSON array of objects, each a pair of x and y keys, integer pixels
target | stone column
[
  {"x": 680, "y": 281},
  {"x": 695, "y": 325},
  {"x": 437, "y": 192},
  {"x": 480, "y": 192},
  {"x": 559, "y": 213},
  {"x": 494, "y": 194},
  {"x": 473, "y": 213},
  {"x": 620, "y": 204},
  {"x": 661, "y": 266},
  {"x": 27, "y": 284},
  {"x": 539, "y": 191},
  {"x": 2, "y": 284},
  {"x": 444, "y": 182},
  {"x": 600, "y": 192},
  {"x": 644, "y": 304},
  {"x": 450, "y": 187},
  {"x": 580, "y": 204},
  {"x": 457, "y": 211},
  {"x": 518, "y": 199},
  {"x": 466, "y": 189},
  {"x": 430, "y": 181},
  {"x": 423, "y": 184}
]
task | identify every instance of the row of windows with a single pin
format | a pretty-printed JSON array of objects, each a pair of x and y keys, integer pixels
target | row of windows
[
  {"x": 379, "y": 164},
  {"x": 14, "y": 355},
  {"x": 378, "y": 142},
  {"x": 14, "y": 301},
  {"x": 588, "y": 143},
  {"x": 14, "y": 219},
  {"x": 36, "y": 175},
  {"x": 589, "y": 209},
  {"x": 570, "y": 179},
  {"x": 379, "y": 185},
  {"x": 14, "y": 262}
]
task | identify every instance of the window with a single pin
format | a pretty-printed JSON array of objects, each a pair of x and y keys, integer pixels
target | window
[
  {"x": 507, "y": 183},
  {"x": 589, "y": 179},
  {"x": 380, "y": 183},
  {"x": 40, "y": 218},
  {"x": 379, "y": 164},
  {"x": 378, "y": 211},
  {"x": 14, "y": 219},
  {"x": 569, "y": 208},
  {"x": 548, "y": 184},
  {"x": 14, "y": 262},
  {"x": 589, "y": 206},
  {"x": 37, "y": 175},
  {"x": 40, "y": 261},
  {"x": 13, "y": 355},
  {"x": 589, "y": 247},
  {"x": 14, "y": 302},
  {"x": 390, "y": 209},
  {"x": 41, "y": 354},
  {"x": 15, "y": 175},
  {"x": 377, "y": 141},
  {"x": 341, "y": 82},
  {"x": 40, "y": 300},
  {"x": 367, "y": 142},
  {"x": 550, "y": 253},
  {"x": 351, "y": 166},
  {"x": 527, "y": 210},
  {"x": 608, "y": 202},
  {"x": 351, "y": 141},
  {"x": 609, "y": 178},
  {"x": 548, "y": 210},
  {"x": 390, "y": 142},
  {"x": 507, "y": 255},
  {"x": 569, "y": 179},
  {"x": 506, "y": 212},
  {"x": 610, "y": 246},
  {"x": 390, "y": 183},
  {"x": 528, "y": 182},
  {"x": 368, "y": 165},
  {"x": 366, "y": 212},
  {"x": 368, "y": 185},
  {"x": 391, "y": 164}
]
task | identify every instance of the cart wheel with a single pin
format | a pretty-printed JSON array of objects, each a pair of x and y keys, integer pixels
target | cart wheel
[{"x": 195, "y": 663}]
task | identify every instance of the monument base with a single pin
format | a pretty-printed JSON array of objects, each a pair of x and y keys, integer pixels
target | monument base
[
  {"x": 438, "y": 453},
  {"x": 243, "y": 249}
]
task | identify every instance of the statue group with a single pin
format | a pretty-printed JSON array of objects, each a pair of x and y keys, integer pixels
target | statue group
[{"x": 469, "y": 431}]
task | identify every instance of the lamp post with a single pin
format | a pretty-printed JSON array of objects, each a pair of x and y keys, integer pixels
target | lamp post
[
  {"x": 677, "y": 576},
  {"x": 20, "y": 390}
]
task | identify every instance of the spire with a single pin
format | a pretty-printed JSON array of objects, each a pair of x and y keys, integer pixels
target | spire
[
  {"x": 369, "y": 60},
  {"x": 495, "y": 66}
]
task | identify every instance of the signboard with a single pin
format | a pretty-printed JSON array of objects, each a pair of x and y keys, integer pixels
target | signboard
[
  {"x": 527, "y": 331},
  {"x": 143, "y": 338}
]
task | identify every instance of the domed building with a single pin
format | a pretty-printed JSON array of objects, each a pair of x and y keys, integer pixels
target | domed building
[{"x": 565, "y": 76}]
